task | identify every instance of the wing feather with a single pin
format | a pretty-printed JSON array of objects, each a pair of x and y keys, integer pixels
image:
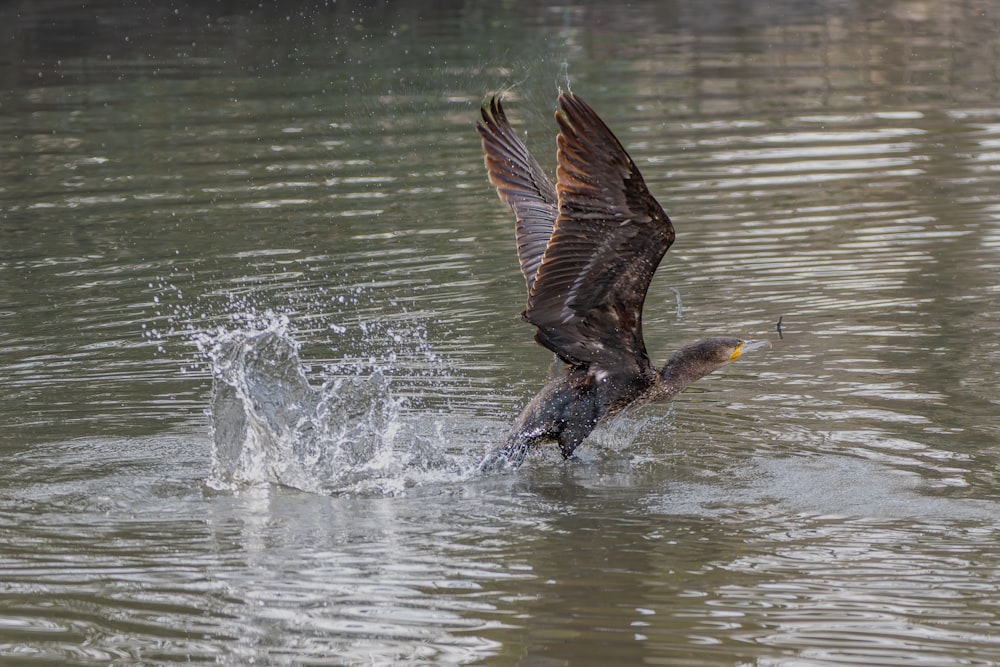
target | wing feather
[{"x": 520, "y": 182}]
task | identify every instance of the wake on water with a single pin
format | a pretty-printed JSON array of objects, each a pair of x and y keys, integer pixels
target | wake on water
[{"x": 349, "y": 435}]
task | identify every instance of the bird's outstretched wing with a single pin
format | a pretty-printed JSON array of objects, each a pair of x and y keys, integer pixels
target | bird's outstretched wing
[
  {"x": 608, "y": 239},
  {"x": 522, "y": 184}
]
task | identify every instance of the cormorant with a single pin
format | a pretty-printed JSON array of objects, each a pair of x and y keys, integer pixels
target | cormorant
[{"x": 588, "y": 248}]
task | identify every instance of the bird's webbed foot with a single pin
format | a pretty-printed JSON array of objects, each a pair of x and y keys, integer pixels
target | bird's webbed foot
[
  {"x": 508, "y": 457},
  {"x": 567, "y": 450},
  {"x": 571, "y": 437}
]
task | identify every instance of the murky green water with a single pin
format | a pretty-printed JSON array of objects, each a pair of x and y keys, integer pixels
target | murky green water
[{"x": 172, "y": 178}]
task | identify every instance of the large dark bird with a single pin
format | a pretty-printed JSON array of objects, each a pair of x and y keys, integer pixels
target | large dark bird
[{"x": 588, "y": 248}]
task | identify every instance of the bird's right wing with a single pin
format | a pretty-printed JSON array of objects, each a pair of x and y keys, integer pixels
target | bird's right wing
[
  {"x": 609, "y": 238},
  {"x": 522, "y": 184}
]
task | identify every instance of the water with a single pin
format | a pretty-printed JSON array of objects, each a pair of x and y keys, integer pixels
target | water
[{"x": 289, "y": 204}]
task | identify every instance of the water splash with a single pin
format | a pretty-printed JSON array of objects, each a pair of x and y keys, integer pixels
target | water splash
[{"x": 271, "y": 425}]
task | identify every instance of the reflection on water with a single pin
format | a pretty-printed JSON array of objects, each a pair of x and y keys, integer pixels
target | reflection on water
[{"x": 299, "y": 190}]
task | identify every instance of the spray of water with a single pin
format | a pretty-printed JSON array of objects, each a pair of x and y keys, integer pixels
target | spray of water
[{"x": 271, "y": 425}]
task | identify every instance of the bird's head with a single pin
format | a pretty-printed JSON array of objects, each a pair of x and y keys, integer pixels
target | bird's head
[{"x": 720, "y": 351}]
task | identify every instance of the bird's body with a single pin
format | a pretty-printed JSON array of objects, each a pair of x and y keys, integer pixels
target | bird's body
[
  {"x": 588, "y": 249},
  {"x": 569, "y": 406}
]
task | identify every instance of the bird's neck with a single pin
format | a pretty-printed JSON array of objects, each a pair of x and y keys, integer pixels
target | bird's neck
[
  {"x": 680, "y": 371},
  {"x": 673, "y": 383}
]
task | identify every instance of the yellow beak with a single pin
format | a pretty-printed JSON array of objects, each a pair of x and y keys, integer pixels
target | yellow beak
[{"x": 745, "y": 346}]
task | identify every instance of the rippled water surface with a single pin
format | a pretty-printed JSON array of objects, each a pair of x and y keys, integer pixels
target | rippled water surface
[{"x": 290, "y": 202}]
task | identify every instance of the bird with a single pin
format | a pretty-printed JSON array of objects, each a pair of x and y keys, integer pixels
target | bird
[{"x": 588, "y": 247}]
